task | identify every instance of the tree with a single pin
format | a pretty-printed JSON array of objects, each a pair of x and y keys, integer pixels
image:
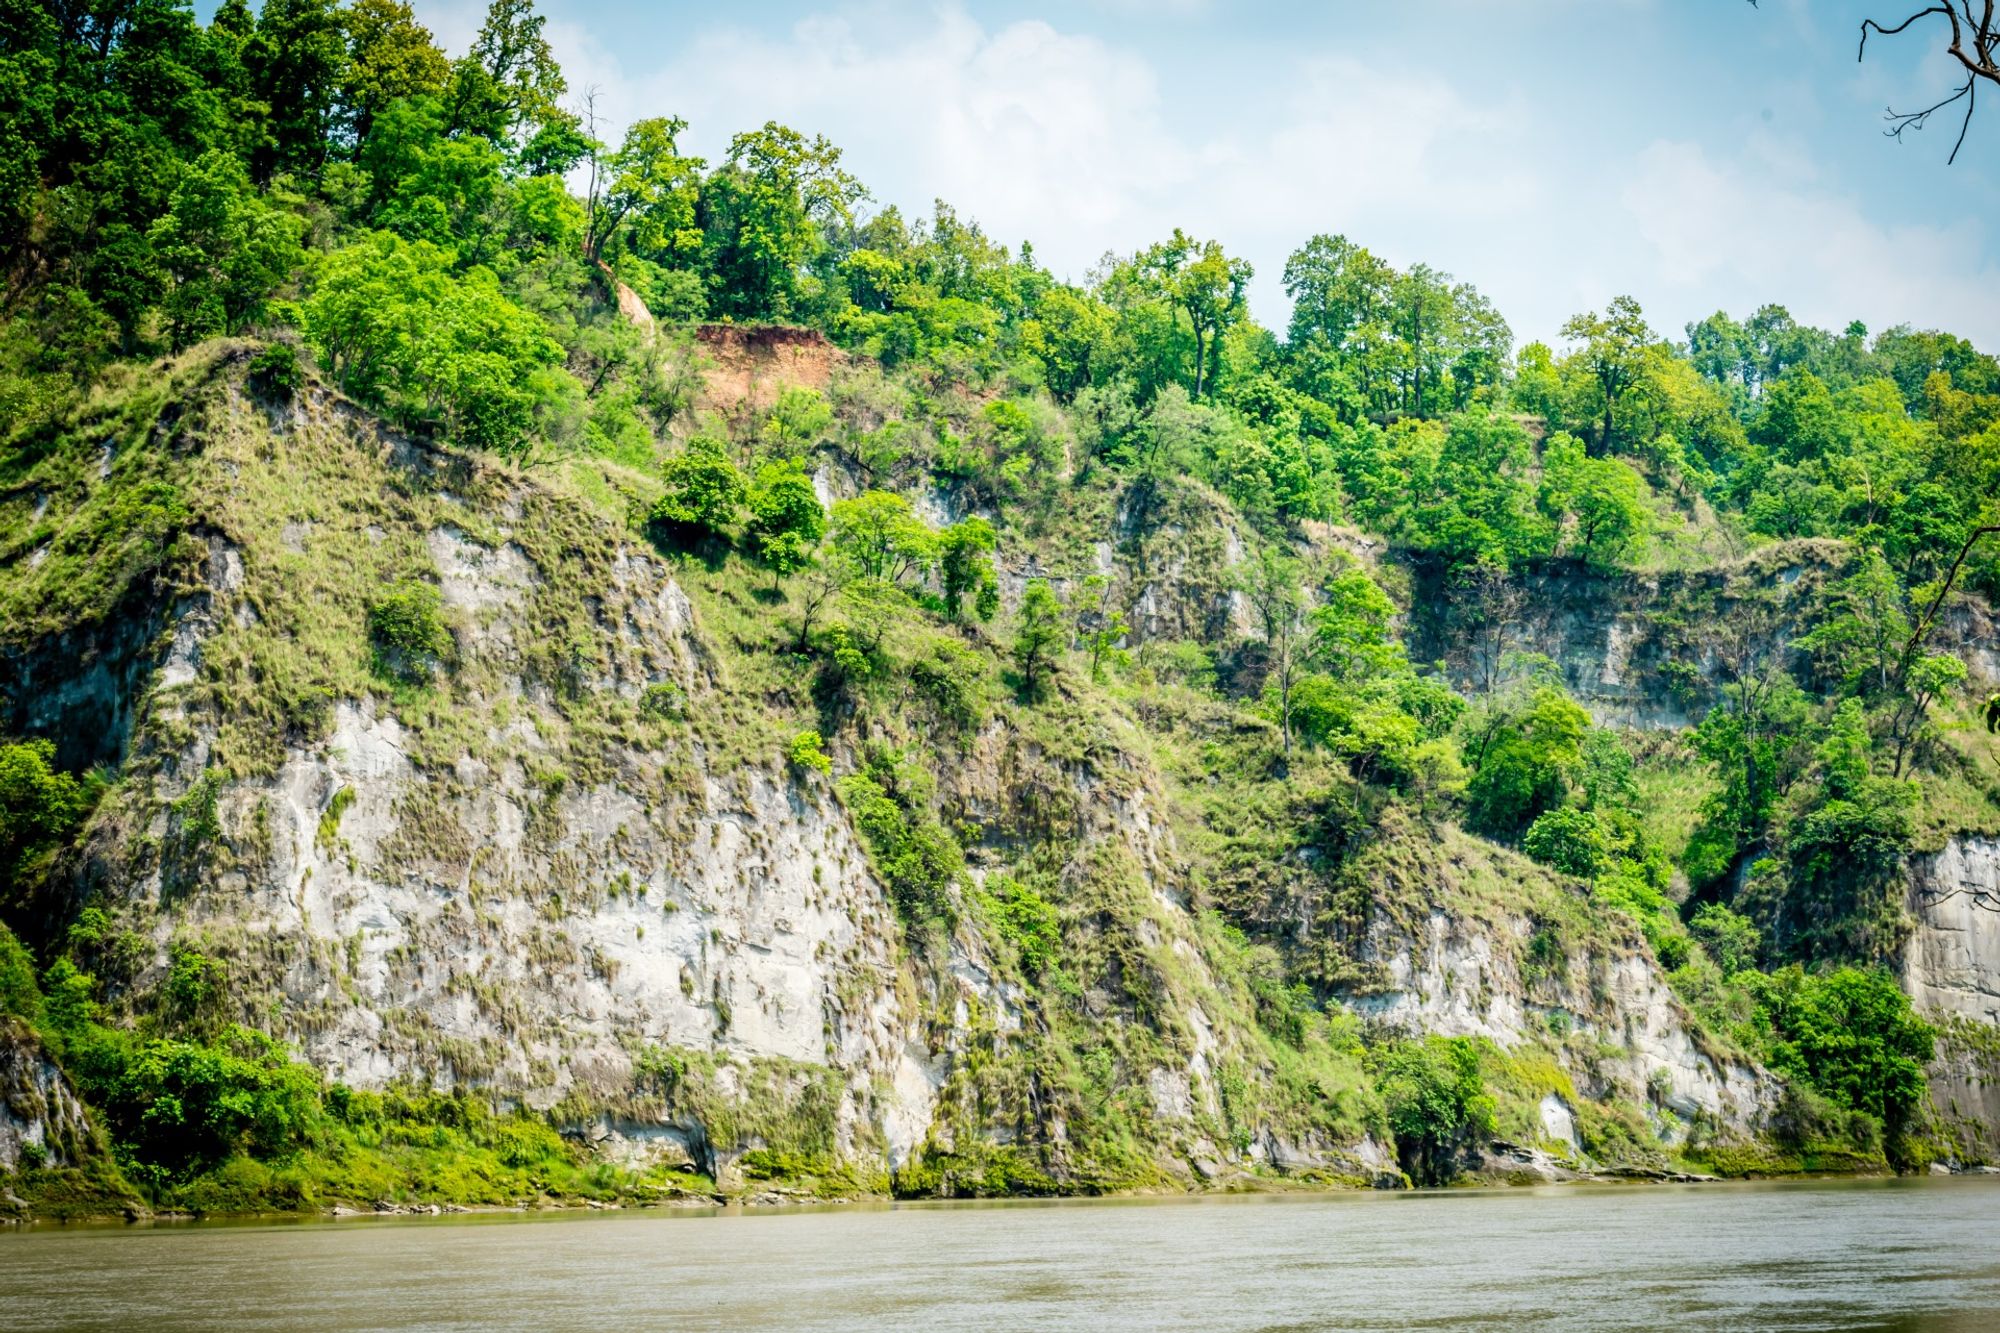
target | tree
[
  {"x": 1850, "y": 1034},
  {"x": 395, "y": 325},
  {"x": 508, "y": 88},
  {"x": 1524, "y": 762},
  {"x": 1271, "y": 581},
  {"x": 1599, "y": 502},
  {"x": 1612, "y": 343},
  {"x": 1038, "y": 636},
  {"x": 643, "y": 196},
  {"x": 1731, "y": 939},
  {"x": 221, "y": 248},
  {"x": 1206, "y": 286},
  {"x": 40, "y": 806},
  {"x": 1435, "y": 1095},
  {"x": 297, "y": 64},
  {"x": 1420, "y": 312},
  {"x": 1099, "y": 626},
  {"x": 1070, "y": 335},
  {"x": 389, "y": 56},
  {"x": 764, "y": 217},
  {"x": 1568, "y": 839},
  {"x": 704, "y": 490},
  {"x": 965, "y": 567},
  {"x": 883, "y": 538},
  {"x": 786, "y": 518}
]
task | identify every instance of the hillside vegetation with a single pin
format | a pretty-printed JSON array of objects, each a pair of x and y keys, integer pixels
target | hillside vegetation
[{"x": 1184, "y": 689}]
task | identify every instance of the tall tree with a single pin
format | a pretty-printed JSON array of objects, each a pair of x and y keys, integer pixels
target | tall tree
[
  {"x": 1611, "y": 352},
  {"x": 1204, "y": 285}
]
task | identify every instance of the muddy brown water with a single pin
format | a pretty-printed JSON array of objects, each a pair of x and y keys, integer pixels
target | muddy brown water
[{"x": 1880, "y": 1254}]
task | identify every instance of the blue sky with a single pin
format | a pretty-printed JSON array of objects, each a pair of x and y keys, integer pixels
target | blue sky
[{"x": 1695, "y": 153}]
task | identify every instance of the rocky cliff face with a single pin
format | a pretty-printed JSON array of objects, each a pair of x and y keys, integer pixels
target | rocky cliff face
[
  {"x": 1653, "y": 651},
  {"x": 1951, "y": 968},
  {"x": 574, "y": 851},
  {"x": 42, "y": 1123}
]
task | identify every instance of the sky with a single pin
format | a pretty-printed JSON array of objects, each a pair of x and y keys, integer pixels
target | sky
[{"x": 1696, "y": 154}]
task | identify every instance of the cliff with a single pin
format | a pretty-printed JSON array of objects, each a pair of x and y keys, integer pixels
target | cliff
[{"x": 572, "y": 871}]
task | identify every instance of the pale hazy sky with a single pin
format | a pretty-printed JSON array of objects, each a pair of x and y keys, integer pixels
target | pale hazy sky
[{"x": 1695, "y": 153}]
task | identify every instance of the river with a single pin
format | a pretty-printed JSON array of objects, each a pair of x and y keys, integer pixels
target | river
[{"x": 1881, "y": 1254}]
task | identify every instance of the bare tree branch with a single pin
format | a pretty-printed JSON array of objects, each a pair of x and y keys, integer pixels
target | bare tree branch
[{"x": 1975, "y": 45}]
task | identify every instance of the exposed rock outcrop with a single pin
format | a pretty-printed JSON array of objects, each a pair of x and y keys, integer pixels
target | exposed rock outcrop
[{"x": 1951, "y": 969}]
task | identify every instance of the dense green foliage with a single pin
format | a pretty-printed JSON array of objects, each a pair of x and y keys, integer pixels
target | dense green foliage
[{"x": 401, "y": 226}]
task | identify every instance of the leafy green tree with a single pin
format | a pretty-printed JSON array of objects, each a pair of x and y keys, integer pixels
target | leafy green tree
[
  {"x": 1271, "y": 583},
  {"x": 643, "y": 196},
  {"x": 1071, "y": 336},
  {"x": 1861, "y": 641},
  {"x": 1597, "y": 503},
  {"x": 394, "y": 325},
  {"x": 965, "y": 568},
  {"x": 1038, "y": 636},
  {"x": 1611, "y": 356},
  {"x": 704, "y": 491},
  {"x": 1731, "y": 939},
  {"x": 297, "y": 65},
  {"x": 764, "y": 215},
  {"x": 40, "y": 807},
  {"x": 221, "y": 249},
  {"x": 798, "y": 420},
  {"x": 1203, "y": 285},
  {"x": 1850, "y": 1034},
  {"x": 1434, "y": 1092},
  {"x": 509, "y": 87},
  {"x": 1100, "y": 627},
  {"x": 1844, "y": 846},
  {"x": 883, "y": 537},
  {"x": 1523, "y": 762},
  {"x": 786, "y": 518},
  {"x": 389, "y": 56},
  {"x": 1568, "y": 839},
  {"x": 407, "y": 626}
]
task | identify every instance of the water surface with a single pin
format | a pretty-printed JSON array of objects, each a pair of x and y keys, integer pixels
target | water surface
[{"x": 1898, "y": 1254}]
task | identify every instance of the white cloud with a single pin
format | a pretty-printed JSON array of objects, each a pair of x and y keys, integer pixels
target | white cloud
[
  {"x": 1733, "y": 235},
  {"x": 1081, "y": 145}
]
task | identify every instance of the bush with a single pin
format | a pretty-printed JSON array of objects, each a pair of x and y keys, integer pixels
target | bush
[
  {"x": 276, "y": 372},
  {"x": 40, "y": 805},
  {"x": 704, "y": 492},
  {"x": 1732, "y": 940},
  {"x": 1569, "y": 840},
  {"x": 1437, "y": 1102},
  {"x": 918, "y": 860},
  {"x": 1851, "y": 1035},
  {"x": 408, "y": 630},
  {"x": 807, "y": 753},
  {"x": 19, "y": 996},
  {"x": 1026, "y": 920}
]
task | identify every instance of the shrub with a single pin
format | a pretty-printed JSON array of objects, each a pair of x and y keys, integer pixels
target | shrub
[
  {"x": 662, "y": 701},
  {"x": 704, "y": 491},
  {"x": 786, "y": 518},
  {"x": 1026, "y": 920},
  {"x": 407, "y": 627},
  {"x": 1851, "y": 1035},
  {"x": 1569, "y": 840},
  {"x": 1437, "y": 1101},
  {"x": 918, "y": 860},
  {"x": 1732, "y": 940},
  {"x": 40, "y": 805},
  {"x": 807, "y": 753},
  {"x": 276, "y": 372}
]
